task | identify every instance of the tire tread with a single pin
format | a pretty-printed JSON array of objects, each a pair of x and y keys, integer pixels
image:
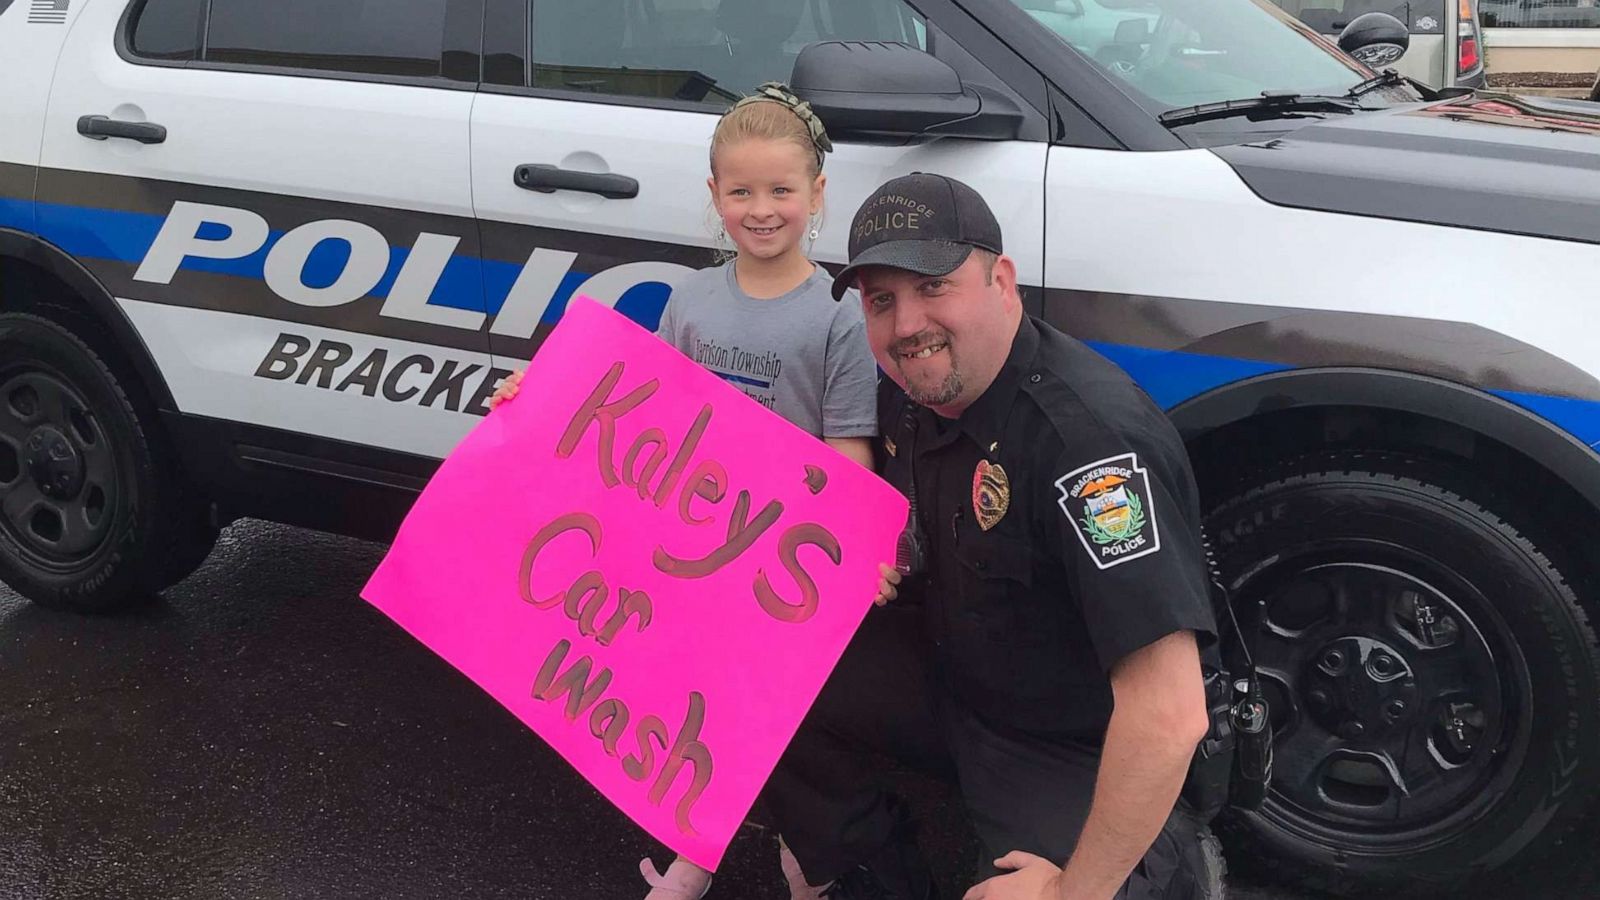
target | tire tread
[{"x": 1493, "y": 507}]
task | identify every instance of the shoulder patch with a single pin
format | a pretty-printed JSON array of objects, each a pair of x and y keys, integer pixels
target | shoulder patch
[{"x": 1112, "y": 510}]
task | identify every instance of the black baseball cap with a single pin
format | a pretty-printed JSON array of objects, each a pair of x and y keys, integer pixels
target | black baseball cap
[{"x": 922, "y": 223}]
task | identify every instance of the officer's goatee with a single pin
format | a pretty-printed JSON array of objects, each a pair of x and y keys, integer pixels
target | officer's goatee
[{"x": 933, "y": 396}]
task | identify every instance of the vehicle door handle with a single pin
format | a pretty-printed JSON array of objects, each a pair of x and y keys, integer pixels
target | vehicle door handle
[
  {"x": 101, "y": 127},
  {"x": 547, "y": 179}
]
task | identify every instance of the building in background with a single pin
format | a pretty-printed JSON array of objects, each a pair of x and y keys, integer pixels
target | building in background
[{"x": 1542, "y": 43}]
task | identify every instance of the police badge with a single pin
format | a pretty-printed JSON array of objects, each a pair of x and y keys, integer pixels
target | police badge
[{"x": 991, "y": 494}]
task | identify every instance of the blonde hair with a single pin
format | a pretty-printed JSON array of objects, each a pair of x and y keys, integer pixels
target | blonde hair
[{"x": 773, "y": 114}]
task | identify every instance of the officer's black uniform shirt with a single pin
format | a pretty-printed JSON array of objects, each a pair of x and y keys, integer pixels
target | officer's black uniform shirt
[{"x": 1095, "y": 554}]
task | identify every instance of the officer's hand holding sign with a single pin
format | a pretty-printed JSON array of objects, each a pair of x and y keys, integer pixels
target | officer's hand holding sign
[{"x": 1046, "y": 655}]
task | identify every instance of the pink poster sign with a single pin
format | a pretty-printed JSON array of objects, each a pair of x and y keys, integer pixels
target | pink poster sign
[{"x": 651, "y": 571}]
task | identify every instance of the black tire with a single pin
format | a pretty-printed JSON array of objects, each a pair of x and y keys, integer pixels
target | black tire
[
  {"x": 93, "y": 514},
  {"x": 1410, "y": 636}
]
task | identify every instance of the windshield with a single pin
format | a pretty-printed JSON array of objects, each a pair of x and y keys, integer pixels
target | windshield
[{"x": 1181, "y": 52}]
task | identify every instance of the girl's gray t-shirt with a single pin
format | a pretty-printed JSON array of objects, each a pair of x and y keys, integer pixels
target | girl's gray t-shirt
[{"x": 802, "y": 355}]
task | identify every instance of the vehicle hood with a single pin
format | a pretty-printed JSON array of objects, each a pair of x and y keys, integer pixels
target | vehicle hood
[{"x": 1491, "y": 162}]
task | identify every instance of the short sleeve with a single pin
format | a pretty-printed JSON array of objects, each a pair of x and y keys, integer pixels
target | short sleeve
[
  {"x": 850, "y": 376},
  {"x": 667, "y": 330},
  {"x": 1128, "y": 527}
]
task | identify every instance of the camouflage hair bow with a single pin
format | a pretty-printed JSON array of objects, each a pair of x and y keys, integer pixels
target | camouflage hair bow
[{"x": 779, "y": 92}]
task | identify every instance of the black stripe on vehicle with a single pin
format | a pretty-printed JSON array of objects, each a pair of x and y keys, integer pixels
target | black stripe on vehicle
[
  {"x": 1496, "y": 163},
  {"x": 1455, "y": 351},
  {"x": 503, "y": 241},
  {"x": 283, "y": 212},
  {"x": 252, "y": 297},
  {"x": 1460, "y": 352},
  {"x": 505, "y": 248},
  {"x": 16, "y": 181}
]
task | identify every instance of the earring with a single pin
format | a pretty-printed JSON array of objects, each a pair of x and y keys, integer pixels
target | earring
[{"x": 813, "y": 229}]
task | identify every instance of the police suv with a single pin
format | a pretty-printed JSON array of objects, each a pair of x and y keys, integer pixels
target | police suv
[{"x": 271, "y": 259}]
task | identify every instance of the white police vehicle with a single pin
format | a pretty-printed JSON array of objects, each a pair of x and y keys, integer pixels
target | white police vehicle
[{"x": 270, "y": 259}]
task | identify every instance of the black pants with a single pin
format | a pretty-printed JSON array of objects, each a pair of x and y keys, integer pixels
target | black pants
[{"x": 830, "y": 803}]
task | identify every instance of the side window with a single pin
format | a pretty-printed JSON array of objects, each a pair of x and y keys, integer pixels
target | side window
[
  {"x": 167, "y": 29},
  {"x": 710, "y": 51},
  {"x": 376, "y": 37}
]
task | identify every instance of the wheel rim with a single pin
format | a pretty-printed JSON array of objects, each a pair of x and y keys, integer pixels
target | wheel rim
[
  {"x": 1400, "y": 703},
  {"x": 58, "y": 472}
]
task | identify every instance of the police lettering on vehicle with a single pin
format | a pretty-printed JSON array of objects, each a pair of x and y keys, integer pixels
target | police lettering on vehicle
[{"x": 198, "y": 232}]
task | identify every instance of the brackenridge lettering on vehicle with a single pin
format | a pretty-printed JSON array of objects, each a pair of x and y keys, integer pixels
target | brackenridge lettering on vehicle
[{"x": 430, "y": 381}]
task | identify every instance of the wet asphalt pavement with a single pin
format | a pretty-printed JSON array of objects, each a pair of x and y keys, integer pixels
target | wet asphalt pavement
[{"x": 261, "y": 732}]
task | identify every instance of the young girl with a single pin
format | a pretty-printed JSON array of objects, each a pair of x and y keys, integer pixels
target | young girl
[{"x": 766, "y": 323}]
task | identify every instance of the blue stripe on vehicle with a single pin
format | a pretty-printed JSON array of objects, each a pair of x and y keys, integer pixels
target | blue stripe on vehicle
[
  {"x": 126, "y": 237},
  {"x": 1579, "y": 418},
  {"x": 17, "y": 214},
  {"x": 99, "y": 233},
  {"x": 642, "y": 303},
  {"x": 1171, "y": 377},
  {"x": 645, "y": 302},
  {"x": 480, "y": 285}
]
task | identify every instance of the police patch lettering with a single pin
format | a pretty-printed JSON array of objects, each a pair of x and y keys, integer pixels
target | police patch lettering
[{"x": 1110, "y": 505}]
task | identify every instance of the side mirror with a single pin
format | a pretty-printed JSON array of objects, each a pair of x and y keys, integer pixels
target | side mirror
[
  {"x": 878, "y": 89},
  {"x": 1377, "y": 39}
]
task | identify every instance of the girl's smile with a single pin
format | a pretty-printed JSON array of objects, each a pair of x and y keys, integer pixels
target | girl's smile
[{"x": 766, "y": 195}]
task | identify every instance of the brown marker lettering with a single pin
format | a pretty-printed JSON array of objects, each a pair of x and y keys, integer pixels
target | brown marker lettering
[
  {"x": 650, "y": 436},
  {"x": 691, "y": 441},
  {"x": 581, "y": 693},
  {"x": 740, "y": 536},
  {"x": 609, "y": 722},
  {"x": 593, "y": 586},
  {"x": 789, "y": 545},
  {"x": 603, "y": 411},
  {"x": 687, "y": 748},
  {"x": 816, "y": 479},
  {"x": 709, "y": 482},
  {"x": 630, "y": 605},
  {"x": 639, "y": 767},
  {"x": 577, "y": 521}
]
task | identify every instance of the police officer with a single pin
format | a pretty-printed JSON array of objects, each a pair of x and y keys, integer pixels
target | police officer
[{"x": 1044, "y": 655}]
